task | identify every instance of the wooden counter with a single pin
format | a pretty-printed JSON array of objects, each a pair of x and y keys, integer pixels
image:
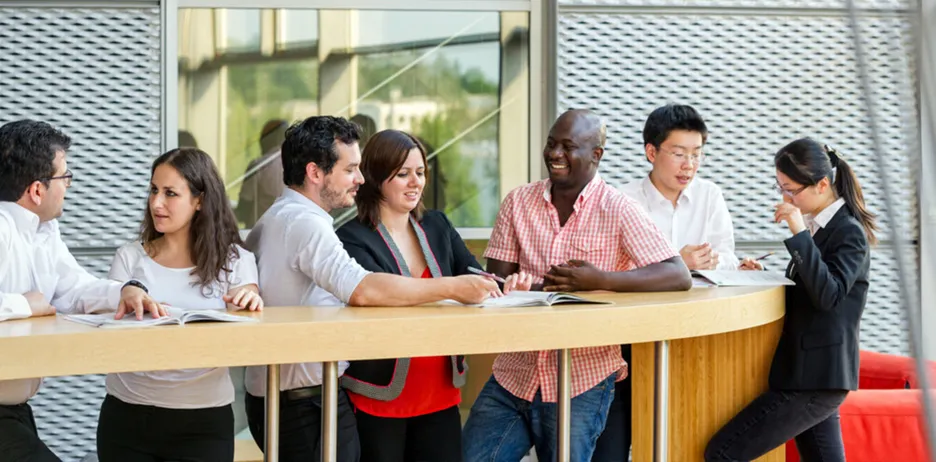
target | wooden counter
[{"x": 719, "y": 367}]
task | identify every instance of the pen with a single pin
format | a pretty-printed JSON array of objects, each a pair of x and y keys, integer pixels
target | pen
[
  {"x": 486, "y": 274},
  {"x": 763, "y": 256}
]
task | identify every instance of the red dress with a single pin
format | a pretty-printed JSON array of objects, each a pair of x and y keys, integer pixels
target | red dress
[{"x": 428, "y": 388}]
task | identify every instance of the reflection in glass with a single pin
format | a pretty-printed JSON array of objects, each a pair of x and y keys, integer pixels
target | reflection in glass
[
  {"x": 240, "y": 30},
  {"x": 298, "y": 28},
  {"x": 442, "y": 76}
]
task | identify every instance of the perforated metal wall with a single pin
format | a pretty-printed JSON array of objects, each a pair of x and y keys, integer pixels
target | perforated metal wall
[
  {"x": 760, "y": 81},
  {"x": 95, "y": 74},
  {"x": 760, "y": 4}
]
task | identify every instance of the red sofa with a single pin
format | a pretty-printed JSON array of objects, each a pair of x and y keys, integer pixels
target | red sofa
[{"x": 883, "y": 420}]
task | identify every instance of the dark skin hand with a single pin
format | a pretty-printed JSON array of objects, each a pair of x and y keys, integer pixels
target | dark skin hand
[
  {"x": 577, "y": 275},
  {"x": 667, "y": 275}
]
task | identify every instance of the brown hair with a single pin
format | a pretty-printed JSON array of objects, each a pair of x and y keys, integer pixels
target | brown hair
[
  {"x": 807, "y": 162},
  {"x": 213, "y": 235},
  {"x": 383, "y": 156}
]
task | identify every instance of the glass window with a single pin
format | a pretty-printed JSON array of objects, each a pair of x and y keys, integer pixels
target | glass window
[
  {"x": 297, "y": 28},
  {"x": 448, "y": 78},
  {"x": 239, "y": 30}
]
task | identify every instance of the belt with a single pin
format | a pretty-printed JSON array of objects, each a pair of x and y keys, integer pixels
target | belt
[{"x": 302, "y": 393}]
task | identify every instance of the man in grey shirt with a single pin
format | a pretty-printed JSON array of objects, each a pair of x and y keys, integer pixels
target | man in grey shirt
[{"x": 302, "y": 262}]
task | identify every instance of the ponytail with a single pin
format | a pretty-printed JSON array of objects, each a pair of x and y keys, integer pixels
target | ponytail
[{"x": 848, "y": 188}]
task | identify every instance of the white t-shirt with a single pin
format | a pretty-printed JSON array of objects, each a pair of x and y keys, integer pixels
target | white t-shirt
[{"x": 185, "y": 388}]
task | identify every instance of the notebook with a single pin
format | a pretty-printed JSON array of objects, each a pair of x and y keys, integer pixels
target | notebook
[
  {"x": 176, "y": 317},
  {"x": 727, "y": 278},
  {"x": 519, "y": 298}
]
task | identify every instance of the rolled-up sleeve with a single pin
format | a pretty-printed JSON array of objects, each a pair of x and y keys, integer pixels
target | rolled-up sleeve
[{"x": 321, "y": 256}]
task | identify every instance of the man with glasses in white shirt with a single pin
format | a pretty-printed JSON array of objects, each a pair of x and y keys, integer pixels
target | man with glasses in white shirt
[
  {"x": 302, "y": 262},
  {"x": 690, "y": 211},
  {"x": 38, "y": 275}
]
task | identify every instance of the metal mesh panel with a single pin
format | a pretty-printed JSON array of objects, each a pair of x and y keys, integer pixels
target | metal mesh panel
[
  {"x": 95, "y": 74},
  {"x": 760, "y": 82},
  {"x": 67, "y": 407},
  {"x": 67, "y": 411},
  {"x": 785, "y": 4}
]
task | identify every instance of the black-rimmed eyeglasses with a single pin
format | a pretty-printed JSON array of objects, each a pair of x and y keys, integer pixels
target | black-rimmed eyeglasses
[{"x": 67, "y": 177}]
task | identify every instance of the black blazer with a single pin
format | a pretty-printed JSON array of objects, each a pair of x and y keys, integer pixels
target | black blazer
[
  {"x": 818, "y": 349},
  {"x": 370, "y": 250}
]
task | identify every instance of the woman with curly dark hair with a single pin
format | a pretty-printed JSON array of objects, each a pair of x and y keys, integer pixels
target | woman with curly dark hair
[{"x": 189, "y": 256}]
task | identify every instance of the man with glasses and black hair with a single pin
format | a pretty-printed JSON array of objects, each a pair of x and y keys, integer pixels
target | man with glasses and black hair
[
  {"x": 38, "y": 275},
  {"x": 691, "y": 213}
]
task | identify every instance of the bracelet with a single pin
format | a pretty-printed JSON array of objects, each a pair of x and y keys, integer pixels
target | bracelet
[{"x": 135, "y": 283}]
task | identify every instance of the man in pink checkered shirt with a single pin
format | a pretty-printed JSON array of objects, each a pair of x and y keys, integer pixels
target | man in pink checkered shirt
[{"x": 572, "y": 232}]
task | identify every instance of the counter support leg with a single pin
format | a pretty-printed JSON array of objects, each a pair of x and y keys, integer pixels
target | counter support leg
[
  {"x": 564, "y": 406},
  {"x": 329, "y": 411},
  {"x": 661, "y": 402},
  {"x": 271, "y": 439}
]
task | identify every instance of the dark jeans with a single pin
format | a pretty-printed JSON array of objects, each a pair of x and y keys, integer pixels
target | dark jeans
[
  {"x": 135, "y": 433},
  {"x": 615, "y": 442},
  {"x": 432, "y": 437},
  {"x": 19, "y": 441},
  {"x": 776, "y": 416},
  {"x": 300, "y": 428}
]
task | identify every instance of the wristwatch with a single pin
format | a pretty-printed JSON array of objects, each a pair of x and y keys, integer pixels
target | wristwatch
[{"x": 135, "y": 283}]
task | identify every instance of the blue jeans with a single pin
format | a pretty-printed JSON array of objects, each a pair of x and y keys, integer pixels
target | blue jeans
[
  {"x": 503, "y": 428},
  {"x": 811, "y": 417}
]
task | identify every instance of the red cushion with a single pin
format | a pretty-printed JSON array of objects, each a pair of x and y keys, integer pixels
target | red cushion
[
  {"x": 880, "y": 425},
  {"x": 879, "y": 371}
]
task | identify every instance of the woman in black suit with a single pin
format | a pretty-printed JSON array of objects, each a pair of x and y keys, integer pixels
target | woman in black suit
[
  {"x": 407, "y": 408},
  {"x": 816, "y": 361}
]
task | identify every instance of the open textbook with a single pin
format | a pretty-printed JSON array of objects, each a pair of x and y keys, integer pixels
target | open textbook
[
  {"x": 519, "y": 298},
  {"x": 726, "y": 278},
  {"x": 176, "y": 317}
]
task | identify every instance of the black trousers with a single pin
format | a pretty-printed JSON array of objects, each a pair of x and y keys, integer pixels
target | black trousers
[
  {"x": 776, "y": 416},
  {"x": 300, "y": 428},
  {"x": 614, "y": 444},
  {"x": 432, "y": 437},
  {"x": 134, "y": 433},
  {"x": 19, "y": 441}
]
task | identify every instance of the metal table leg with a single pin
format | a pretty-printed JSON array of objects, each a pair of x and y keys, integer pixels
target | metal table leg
[
  {"x": 329, "y": 411},
  {"x": 271, "y": 439},
  {"x": 661, "y": 402},
  {"x": 564, "y": 405}
]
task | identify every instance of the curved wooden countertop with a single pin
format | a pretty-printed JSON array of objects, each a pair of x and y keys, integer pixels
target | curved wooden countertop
[{"x": 52, "y": 346}]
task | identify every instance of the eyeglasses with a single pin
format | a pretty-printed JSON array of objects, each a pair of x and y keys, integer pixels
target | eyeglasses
[
  {"x": 787, "y": 192},
  {"x": 67, "y": 177},
  {"x": 681, "y": 157}
]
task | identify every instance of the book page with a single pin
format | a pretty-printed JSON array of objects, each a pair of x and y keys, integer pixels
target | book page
[
  {"x": 744, "y": 278},
  {"x": 213, "y": 315}
]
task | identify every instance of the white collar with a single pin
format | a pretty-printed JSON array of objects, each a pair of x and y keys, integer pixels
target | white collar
[
  {"x": 654, "y": 195},
  {"x": 822, "y": 219},
  {"x": 292, "y": 195},
  {"x": 26, "y": 221}
]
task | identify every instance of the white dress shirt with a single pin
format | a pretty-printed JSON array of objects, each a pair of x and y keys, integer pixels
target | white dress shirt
[
  {"x": 184, "y": 388},
  {"x": 301, "y": 262},
  {"x": 701, "y": 215},
  {"x": 33, "y": 258},
  {"x": 822, "y": 219}
]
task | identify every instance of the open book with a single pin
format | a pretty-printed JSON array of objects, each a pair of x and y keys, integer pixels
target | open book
[
  {"x": 176, "y": 317},
  {"x": 740, "y": 278},
  {"x": 519, "y": 298}
]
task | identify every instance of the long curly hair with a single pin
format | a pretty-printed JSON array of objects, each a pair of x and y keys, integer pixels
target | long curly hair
[{"x": 213, "y": 234}]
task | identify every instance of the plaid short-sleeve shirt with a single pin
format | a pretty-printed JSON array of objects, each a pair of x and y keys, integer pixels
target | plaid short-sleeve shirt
[{"x": 607, "y": 229}]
